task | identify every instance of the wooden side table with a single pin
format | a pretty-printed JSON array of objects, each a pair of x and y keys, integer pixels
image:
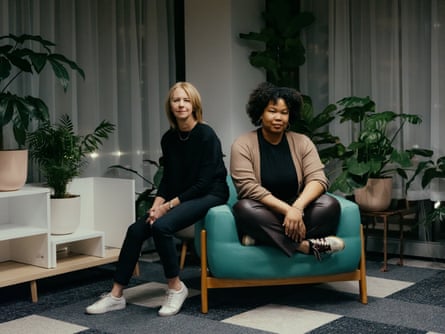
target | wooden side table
[{"x": 384, "y": 216}]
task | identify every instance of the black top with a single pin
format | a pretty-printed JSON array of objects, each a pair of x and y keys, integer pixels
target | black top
[
  {"x": 278, "y": 174},
  {"x": 193, "y": 164}
]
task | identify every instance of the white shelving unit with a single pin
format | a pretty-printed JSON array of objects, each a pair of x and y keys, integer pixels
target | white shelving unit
[
  {"x": 24, "y": 226},
  {"x": 29, "y": 252}
]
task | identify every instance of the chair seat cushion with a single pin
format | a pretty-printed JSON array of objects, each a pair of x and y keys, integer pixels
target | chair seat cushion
[{"x": 228, "y": 258}]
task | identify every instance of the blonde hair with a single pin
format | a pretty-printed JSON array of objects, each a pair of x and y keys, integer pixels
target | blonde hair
[{"x": 195, "y": 99}]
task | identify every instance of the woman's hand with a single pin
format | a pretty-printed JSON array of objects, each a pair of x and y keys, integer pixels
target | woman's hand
[
  {"x": 157, "y": 212},
  {"x": 293, "y": 224}
]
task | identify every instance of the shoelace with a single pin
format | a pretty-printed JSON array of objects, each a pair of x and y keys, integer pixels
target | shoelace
[
  {"x": 169, "y": 298},
  {"x": 319, "y": 246},
  {"x": 105, "y": 295}
]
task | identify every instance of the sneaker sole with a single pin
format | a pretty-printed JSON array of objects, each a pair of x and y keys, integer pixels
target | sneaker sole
[{"x": 118, "y": 308}]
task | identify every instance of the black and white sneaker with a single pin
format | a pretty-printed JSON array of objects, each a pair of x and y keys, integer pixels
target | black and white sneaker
[{"x": 327, "y": 245}]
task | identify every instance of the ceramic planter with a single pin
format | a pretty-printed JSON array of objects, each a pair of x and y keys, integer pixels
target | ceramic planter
[
  {"x": 65, "y": 215},
  {"x": 375, "y": 196},
  {"x": 13, "y": 169}
]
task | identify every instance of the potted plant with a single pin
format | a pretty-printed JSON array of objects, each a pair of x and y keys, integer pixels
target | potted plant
[
  {"x": 373, "y": 156},
  {"x": 20, "y": 58},
  {"x": 431, "y": 171},
  {"x": 61, "y": 154}
]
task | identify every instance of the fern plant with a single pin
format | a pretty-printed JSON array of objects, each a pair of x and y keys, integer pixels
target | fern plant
[{"x": 61, "y": 153}]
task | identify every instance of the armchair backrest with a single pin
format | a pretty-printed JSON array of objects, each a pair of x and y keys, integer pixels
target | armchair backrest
[{"x": 233, "y": 196}]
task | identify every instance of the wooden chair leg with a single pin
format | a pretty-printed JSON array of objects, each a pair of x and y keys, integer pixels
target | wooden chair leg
[
  {"x": 136, "y": 271},
  {"x": 204, "y": 288},
  {"x": 183, "y": 255},
  {"x": 362, "y": 283}
]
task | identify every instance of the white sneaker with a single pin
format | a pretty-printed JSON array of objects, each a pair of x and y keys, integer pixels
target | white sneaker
[
  {"x": 106, "y": 303},
  {"x": 174, "y": 301}
]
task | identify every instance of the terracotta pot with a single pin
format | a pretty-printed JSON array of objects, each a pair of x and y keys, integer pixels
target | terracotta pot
[
  {"x": 13, "y": 169},
  {"x": 65, "y": 215},
  {"x": 375, "y": 196}
]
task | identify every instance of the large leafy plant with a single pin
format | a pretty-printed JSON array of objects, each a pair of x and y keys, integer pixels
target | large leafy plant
[
  {"x": 374, "y": 153},
  {"x": 430, "y": 170},
  {"x": 21, "y": 56},
  {"x": 282, "y": 51},
  {"x": 61, "y": 153},
  {"x": 316, "y": 127}
]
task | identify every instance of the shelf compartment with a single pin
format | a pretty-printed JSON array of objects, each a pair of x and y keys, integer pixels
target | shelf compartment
[
  {"x": 32, "y": 250},
  {"x": 15, "y": 231},
  {"x": 86, "y": 242}
]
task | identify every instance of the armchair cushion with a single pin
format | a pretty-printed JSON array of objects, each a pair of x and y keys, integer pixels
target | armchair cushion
[{"x": 228, "y": 258}]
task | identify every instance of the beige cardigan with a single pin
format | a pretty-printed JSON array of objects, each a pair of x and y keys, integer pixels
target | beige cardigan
[{"x": 245, "y": 164}]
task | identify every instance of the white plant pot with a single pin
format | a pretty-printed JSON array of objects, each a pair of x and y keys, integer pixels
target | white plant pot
[
  {"x": 13, "y": 169},
  {"x": 375, "y": 196},
  {"x": 65, "y": 215}
]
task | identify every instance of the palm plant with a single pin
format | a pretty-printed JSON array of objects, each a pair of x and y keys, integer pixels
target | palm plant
[{"x": 61, "y": 153}]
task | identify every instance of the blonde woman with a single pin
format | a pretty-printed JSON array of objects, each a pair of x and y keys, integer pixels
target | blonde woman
[{"x": 194, "y": 180}]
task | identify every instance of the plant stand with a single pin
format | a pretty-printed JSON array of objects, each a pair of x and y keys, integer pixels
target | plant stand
[{"x": 369, "y": 217}]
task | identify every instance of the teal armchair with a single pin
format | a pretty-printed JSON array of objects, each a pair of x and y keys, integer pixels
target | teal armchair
[{"x": 226, "y": 263}]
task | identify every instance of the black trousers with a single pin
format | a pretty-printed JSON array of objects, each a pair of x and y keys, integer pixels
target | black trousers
[
  {"x": 162, "y": 231},
  {"x": 321, "y": 218}
]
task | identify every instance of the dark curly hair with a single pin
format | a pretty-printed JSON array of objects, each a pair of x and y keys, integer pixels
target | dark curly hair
[{"x": 267, "y": 92}]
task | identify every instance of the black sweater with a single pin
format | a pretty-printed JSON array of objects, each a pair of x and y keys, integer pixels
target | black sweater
[{"x": 193, "y": 166}]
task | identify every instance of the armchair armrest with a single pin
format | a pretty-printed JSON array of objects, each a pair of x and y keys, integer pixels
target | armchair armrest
[{"x": 220, "y": 225}]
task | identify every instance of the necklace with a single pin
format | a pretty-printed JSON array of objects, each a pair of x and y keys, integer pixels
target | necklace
[{"x": 187, "y": 136}]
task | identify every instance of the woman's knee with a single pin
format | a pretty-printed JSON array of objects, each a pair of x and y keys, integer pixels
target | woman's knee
[
  {"x": 138, "y": 231},
  {"x": 247, "y": 208},
  {"x": 330, "y": 206}
]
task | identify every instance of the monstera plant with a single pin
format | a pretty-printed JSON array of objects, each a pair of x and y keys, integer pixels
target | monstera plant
[
  {"x": 21, "y": 58},
  {"x": 373, "y": 154}
]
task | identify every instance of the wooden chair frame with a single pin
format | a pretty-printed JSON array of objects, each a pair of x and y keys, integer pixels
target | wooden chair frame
[{"x": 210, "y": 282}]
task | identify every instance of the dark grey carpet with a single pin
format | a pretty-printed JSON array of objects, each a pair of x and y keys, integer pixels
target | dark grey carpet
[{"x": 416, "y": 309}]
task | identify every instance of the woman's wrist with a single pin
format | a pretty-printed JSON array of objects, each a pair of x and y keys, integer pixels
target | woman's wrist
[
  {"x": 172, "y": 203},
  {"x": 299, "y": 209},
  {"x": 299, "y": 206}
]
